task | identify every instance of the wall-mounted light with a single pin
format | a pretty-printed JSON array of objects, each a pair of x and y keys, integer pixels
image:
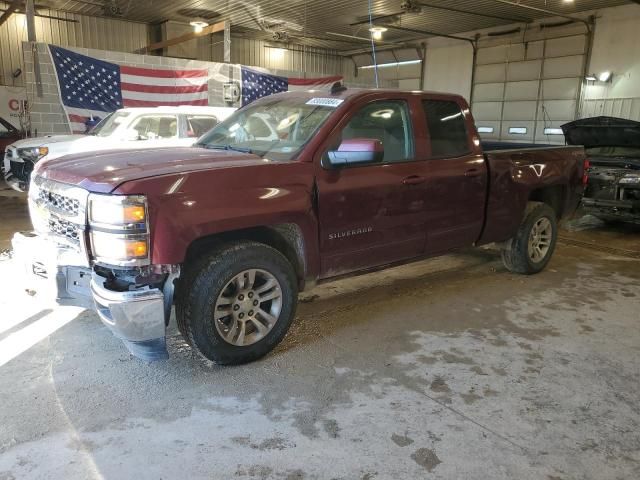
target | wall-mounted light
[
  {"x": 605, "y": 76},
  {"x": 376, "y": 32},
  {"x": 198, "y": 25}
]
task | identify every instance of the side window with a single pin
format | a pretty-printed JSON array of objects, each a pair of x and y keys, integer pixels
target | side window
[
  {"x": 447, "y": 129},
  {"x": 198, "y": 125},
  {"x": 151, "y": 127},
  {"x": 387, "y": 121}
]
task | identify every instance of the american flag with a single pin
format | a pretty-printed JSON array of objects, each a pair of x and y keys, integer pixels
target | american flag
[
  {"x": 91, "y": 88},
  {"x": 257, "y": 84}
]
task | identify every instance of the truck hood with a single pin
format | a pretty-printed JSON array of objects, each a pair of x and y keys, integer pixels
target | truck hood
[
  {"x": 47, "y": 140},
  {"x": 104, "y": 171},
  {"x": 603, "y": 132}
]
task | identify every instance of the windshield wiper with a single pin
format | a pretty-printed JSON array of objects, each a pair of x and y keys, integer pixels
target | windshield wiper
[{"x": 225, "y": 147}]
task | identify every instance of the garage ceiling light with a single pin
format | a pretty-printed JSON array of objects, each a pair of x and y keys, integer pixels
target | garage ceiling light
[
  {"x": 591, "y": 78},
  {"x": 198, "y": 25},
  {"x": 392, "y": 64},
  {"x": 376, "y": 32}
]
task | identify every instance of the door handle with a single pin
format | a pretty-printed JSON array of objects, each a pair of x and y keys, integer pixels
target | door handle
[
  {"x": 414, "y": 180},
  {"x": 472, "y": 172}
]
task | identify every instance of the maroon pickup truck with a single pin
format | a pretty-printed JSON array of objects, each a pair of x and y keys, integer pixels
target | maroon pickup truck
[{"x": 294, "y": 189}]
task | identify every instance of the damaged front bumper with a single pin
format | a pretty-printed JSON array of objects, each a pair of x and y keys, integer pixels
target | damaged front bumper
[
  {"x": 616, "y": 210},
  {"x": 138, "y": 315}
]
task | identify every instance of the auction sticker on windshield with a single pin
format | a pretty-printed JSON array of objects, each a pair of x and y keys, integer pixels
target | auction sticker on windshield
[{"x": 325, "y": 102}]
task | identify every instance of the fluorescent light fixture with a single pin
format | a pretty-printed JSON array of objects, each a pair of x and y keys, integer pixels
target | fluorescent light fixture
[
  {"x": 553, "y": 131},
  {"x": 605, "y": 76},
  {"x": 518, "y": 130},
  {"x": 591, "y": 78},
  {"x": 198, "y": 25},
  {"x": 485, "y": 130},
  {"x": 392, "y": 64},
  {"x": 376, "y": 32},
  {"x": 451, "y": 117}
]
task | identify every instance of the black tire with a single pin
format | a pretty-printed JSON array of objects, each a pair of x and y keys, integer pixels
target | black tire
[
  {"x": 515, "y": 253},
  {"x": 205, "y": 279}
]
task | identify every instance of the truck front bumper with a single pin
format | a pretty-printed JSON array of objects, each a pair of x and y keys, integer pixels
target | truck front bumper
[
  {"x": 138, "y": 317},
  {"x": 135, "y": 316},
  {"x": 618, "y": 210}
]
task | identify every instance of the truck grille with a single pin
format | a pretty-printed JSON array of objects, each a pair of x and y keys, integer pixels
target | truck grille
[
  {"x": 66, "y": 229},
  {"x": 60, "y": 203},
  {"x": 59, "y": 210}
]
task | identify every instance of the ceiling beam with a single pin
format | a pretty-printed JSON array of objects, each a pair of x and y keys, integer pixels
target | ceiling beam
[
  {"x": 543, "y": 10},
  {"x": 380, "y": 17},
  {"x": 9, "y": 11},
  {"x": 216, "y": 27},
  {"x": 478, "y": 14},
  {"x": 430, "y": 33},
  {"x": 362, "y": 39}
]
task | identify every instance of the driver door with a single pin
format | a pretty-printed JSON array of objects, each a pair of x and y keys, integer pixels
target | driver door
[{"x": 372, "y": 214}]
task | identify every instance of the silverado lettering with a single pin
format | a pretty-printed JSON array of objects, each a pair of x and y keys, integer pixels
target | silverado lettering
[
  {"x": 349, "y": 233},
  {"x": 231, "y": 229}
]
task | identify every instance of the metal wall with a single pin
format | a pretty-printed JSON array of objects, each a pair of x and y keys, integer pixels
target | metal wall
[{"x": 88, "y": 32}]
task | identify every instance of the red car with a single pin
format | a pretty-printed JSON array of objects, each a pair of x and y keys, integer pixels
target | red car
[{"x": 231, "y": 229}]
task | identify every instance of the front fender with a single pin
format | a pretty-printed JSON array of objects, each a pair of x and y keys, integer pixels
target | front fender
[{"x": 187, "y": 207}]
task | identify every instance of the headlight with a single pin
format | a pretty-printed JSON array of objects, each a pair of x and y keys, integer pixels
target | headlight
[
  {"x": 630, "y": 179},
  {"x": 34, "y": 153},
  {"x": 119, "y": 248},
  {"x": 119, "y": 229},
  {"x": 118, "y": 212}
]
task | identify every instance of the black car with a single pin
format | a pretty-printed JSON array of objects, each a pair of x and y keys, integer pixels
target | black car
[{"x": 613, "y": 147}]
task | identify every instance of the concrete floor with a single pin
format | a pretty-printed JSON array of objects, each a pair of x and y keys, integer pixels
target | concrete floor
[{"x": 449, "y": 368}]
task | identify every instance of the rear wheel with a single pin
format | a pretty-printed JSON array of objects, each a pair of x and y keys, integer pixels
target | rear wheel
[
  {"x": 238, "y": 303},
  {"x": 531, "y": 249}
]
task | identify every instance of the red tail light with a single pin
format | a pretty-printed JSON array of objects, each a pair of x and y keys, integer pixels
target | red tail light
[{"x": 585, "y": 174}]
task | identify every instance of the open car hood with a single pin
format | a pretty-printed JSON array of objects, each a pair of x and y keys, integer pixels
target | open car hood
[{"x": 603, "y": 132}]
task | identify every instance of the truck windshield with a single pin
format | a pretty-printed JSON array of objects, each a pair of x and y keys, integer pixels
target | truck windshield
[
  {"x": 278, "y": 128},
  {"x": 107, "y": 126}
]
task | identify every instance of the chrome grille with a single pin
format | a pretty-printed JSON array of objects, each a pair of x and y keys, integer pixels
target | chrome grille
[
  {"x": 63, "y": 228},
  {"x": 60, "y": 203}
]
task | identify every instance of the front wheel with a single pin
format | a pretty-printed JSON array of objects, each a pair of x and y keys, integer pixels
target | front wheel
[
  {"x": 238, "y": 303},
  {"x": 530, "y": 250}
]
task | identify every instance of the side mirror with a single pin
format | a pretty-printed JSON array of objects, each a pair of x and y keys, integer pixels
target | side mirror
[{"x": 357, "y": 151}]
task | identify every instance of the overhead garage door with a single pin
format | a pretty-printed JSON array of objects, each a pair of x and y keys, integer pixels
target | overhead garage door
[{"x": 525, "y": 91}]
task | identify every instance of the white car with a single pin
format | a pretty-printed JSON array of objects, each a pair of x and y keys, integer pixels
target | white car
[{"x": 125, "y": 128}]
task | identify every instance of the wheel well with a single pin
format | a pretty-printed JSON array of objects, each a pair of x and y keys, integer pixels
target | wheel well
[
  {"x": 286, "y": 238},
  {"x": 553, "y": 196}
]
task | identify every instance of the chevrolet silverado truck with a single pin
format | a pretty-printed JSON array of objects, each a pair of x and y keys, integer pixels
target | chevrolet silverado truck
[
  {"x": 613, "y": 147},
  {"x": 231, "y": 229}
]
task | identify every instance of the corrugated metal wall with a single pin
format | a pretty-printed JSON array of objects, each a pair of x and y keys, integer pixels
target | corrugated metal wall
[{"x": 88, "y": 32}]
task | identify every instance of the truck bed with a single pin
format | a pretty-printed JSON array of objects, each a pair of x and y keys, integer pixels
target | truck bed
[{"x": 519, "y": 173}]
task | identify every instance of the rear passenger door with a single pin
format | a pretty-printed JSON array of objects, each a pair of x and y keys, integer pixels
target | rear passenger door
[
  {"x": 372, "y": 214},
  {"x": 457, "y": 176}
]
